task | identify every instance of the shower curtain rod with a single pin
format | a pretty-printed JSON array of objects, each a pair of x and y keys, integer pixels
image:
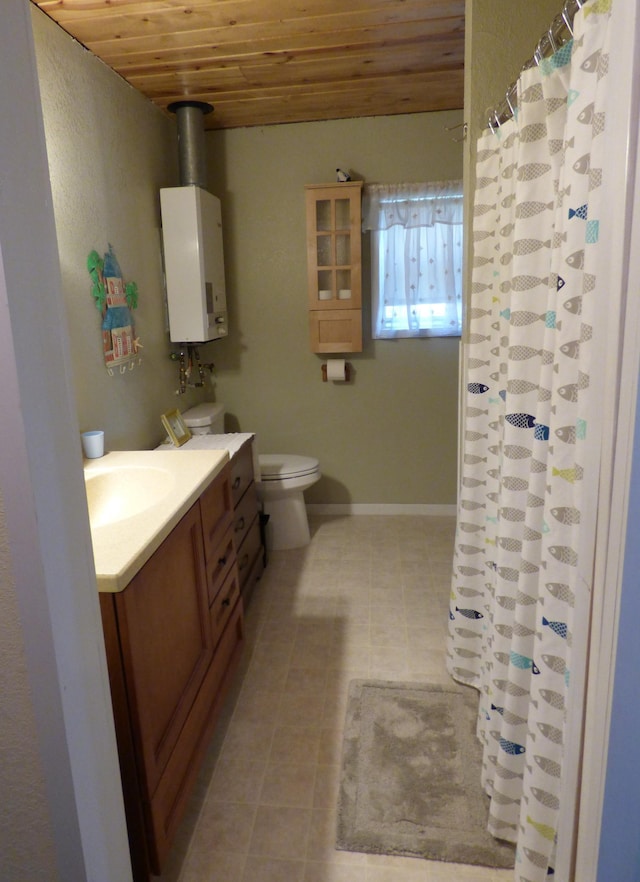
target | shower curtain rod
[{"x": 558, "y": 34}]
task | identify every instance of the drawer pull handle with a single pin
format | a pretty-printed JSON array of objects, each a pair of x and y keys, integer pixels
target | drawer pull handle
[
  {"x": 236, "y": 483},
  {"x": 244, "y": 560},
  {"x": 226, "y": 602},
  {"x": 222, "y": 561},
  {"x": 239, "y": 525}
]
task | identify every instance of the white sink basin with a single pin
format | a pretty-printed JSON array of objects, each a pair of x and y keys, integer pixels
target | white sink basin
[
  {"x": 135, "y": 498},
  {"x": 125, "y": 491}
]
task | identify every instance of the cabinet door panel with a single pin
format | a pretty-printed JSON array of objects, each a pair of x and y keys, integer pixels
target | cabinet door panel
[
  {"x": 241, "y": 471},
  {"x": 216, "y": 505},
  {"x": 167, "y": 805},
  {"x": 166, "y": 642},
  {"x": 336, "y": 331},
  {"x": 334, "y": 245}
]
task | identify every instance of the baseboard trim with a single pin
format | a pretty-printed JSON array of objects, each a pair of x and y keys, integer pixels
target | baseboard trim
[{"x": 375, "y": 508}]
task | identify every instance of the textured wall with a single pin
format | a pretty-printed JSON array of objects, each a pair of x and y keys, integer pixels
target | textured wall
[
  {"x": 26, "y": 843},
  {"x": 110, "y": 150},
  {"x": 390, "y": 437}
]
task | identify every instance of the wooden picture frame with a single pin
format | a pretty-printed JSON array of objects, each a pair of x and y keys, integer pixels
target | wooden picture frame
[{"x": 176, "y": 427}]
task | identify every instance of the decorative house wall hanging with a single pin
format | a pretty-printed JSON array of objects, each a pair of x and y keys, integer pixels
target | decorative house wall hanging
[{"x": 116, "y": 301}]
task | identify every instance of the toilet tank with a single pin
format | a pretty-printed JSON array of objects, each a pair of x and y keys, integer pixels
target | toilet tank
[{"x": 205, "y": 419}]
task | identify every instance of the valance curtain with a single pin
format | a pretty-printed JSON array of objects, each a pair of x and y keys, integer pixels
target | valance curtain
[
  {"x": 416, "y": 257},
  {"x": 523, "y": 565}
]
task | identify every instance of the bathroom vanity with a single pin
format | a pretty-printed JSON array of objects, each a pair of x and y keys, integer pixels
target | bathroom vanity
[{"x": 173, "y": 637}]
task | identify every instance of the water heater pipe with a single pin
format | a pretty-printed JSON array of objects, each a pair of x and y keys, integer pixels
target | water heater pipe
[{"x": 191, "y": 156}]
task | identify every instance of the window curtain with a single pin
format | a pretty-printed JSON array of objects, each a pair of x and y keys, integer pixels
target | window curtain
[
  {"x": 416, "y": 257},
  {"x": 523, "y": 565}
]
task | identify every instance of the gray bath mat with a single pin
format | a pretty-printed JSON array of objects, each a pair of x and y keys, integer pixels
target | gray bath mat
[{"x": 410, "y": 780}]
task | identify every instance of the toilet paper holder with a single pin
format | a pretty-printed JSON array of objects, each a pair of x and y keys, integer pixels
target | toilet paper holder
[{"x": 347, "y": 372}]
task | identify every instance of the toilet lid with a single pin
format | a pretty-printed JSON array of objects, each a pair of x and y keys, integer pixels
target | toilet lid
[{"x": 275, "y": 466}]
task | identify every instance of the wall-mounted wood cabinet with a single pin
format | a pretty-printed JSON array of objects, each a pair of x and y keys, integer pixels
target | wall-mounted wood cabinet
[{"x": 334, "y": 264}]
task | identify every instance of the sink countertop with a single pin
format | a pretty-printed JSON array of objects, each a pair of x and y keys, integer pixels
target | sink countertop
[
  {"x": 120, "y": 549},
  {"x": 230, "y": 441}
]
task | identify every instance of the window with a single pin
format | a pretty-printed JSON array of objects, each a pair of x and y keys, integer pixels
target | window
[{"x": 416, "y": 258}]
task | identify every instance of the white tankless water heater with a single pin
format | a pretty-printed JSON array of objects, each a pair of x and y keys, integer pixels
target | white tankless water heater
[{"x": 193, "y": 264}]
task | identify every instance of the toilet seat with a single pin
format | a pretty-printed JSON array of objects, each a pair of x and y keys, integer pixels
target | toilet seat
[{"x": 281, "y": 467}]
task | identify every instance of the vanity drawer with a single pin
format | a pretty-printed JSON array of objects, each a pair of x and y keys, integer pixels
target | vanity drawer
[
  {"x": 223, "y": 605},
  {"x": 241, "y": 471},
  {"x": 216, "y": 505},
  {"x": 219, "y": 562},
  {"x": 251, "y": 548},
  {"x": 244, "y": 515}
]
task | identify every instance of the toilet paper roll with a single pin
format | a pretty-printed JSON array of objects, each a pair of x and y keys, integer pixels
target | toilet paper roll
[{"x": 336, "y": 370}]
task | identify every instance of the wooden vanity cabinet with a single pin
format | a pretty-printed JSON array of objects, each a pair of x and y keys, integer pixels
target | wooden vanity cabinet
[
  {"x": 173, "y": 637},
  {"x": 247, "y": 537}
]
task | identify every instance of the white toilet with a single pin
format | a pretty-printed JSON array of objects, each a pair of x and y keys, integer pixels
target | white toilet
[
  {"x": 205, "y": 419},
  {"x": 281, "y": 480}
]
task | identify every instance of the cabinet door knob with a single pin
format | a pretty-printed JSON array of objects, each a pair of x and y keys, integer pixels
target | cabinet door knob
[
  {"x": 236, "y": 483},
  {"x": 240, "y": 525}
]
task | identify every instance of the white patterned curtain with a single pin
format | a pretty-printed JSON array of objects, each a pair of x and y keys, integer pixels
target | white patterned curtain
[
  {"x": 416, "y": 245},
  {"x": 522, "y": 561}
]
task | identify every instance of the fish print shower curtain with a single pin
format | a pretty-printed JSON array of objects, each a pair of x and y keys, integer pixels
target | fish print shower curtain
[{"x": 522, "y": 561}]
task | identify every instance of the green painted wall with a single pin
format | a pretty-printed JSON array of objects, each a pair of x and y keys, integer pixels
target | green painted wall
[
  {"x": 500, "y": 37},
  {"x": 109, "y": 150},
  {"x": 390, "y": 436}
]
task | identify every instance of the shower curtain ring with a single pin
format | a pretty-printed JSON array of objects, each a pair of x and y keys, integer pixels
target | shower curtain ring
[
  {"x": 513, "y": 88},
  {"x": 567, "y": 20}
]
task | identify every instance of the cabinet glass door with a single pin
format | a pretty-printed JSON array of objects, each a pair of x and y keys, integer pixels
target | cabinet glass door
[
  {"x": 325, "y": 251},
  {"x": 334, "y": 267},
  {"x": 323, "y": 214},
  {"x": 343, "y": 214}
]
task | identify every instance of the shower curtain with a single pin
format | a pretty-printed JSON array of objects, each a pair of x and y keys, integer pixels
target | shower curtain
[{"x": 524, "y": 541}]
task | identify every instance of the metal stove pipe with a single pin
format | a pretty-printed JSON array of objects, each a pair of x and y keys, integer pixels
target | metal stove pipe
[{"x": 191, "y": 156}]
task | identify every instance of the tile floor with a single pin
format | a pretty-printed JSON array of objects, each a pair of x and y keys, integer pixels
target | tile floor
[{"x": 367, "y": 598}]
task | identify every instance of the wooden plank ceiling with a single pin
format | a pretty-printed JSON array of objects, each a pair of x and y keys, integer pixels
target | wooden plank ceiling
[{"x": 263, "y": 62}]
